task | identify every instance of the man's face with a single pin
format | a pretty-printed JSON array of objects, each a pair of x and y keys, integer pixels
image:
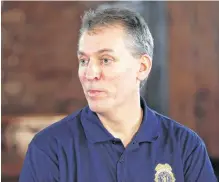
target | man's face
[{"x": 107, "y": 70}]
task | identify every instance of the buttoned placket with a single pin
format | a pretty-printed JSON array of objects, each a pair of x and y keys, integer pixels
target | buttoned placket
[{"x": 122, "y": 163}]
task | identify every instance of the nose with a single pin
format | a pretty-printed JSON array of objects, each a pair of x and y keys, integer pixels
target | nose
[{"x": 92, "y": 71}]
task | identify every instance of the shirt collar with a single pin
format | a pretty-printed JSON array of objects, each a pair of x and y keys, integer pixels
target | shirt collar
[
  {"x": 150, "y": 126},
  {"x": 96, "y": 132}
]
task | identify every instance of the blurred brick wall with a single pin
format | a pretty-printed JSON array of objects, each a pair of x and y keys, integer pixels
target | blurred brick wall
[
  {"x": 194, "y": 68},
  {"x": 39, "y": 64}
]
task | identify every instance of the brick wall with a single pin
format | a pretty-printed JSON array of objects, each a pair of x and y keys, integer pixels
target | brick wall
[{"x": 39, "y": 65}]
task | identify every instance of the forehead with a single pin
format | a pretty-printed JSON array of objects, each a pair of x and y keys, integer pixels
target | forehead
[{"x": 102, "y": 38}]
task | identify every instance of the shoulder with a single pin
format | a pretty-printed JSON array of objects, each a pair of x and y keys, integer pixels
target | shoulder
[
  {"x": 176, "y": 134},
  {"x": 60, "y": 132}
]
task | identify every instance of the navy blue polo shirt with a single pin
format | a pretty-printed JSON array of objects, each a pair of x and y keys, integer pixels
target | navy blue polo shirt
[{"x": 79, "y": 149}]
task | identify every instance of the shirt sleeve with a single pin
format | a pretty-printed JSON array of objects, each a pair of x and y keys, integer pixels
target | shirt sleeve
[
  {"x": 38, "y": 167},
  {"x": 198, "y": 166}
]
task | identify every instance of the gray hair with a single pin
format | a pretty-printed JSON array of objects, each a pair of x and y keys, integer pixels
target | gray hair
[{"x": 140, "y": 40}]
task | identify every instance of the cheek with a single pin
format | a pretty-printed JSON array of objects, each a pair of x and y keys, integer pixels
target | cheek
[
  {"x": 81, "y": 74},
  {"x": 118, "y": 78},
  {"x": 112, "y": 76}
]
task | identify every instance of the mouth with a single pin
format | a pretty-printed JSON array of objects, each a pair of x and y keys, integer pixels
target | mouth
[{"x": 95, "y": 93}]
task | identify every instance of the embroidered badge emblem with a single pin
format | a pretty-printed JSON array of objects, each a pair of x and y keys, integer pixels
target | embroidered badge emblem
[{"x": 164, "y": 173}]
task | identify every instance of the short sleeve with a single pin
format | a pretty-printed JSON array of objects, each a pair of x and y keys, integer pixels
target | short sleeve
[
  {"x": 38, "y": 166},
  {"x": 197, "y": 166}
]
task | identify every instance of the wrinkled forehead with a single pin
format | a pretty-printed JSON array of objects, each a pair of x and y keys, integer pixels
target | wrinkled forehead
[{"x": 107, "y": 37}]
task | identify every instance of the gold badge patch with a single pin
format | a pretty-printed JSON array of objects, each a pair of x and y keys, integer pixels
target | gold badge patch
[{"x": 164, "y": 173}]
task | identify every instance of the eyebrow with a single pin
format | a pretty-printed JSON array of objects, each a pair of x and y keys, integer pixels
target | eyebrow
[{"x": 98, "y": 52}]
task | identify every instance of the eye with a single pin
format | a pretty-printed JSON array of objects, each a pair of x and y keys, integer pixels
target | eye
[
  {"x": 106, "y": 61},
  {"x": 83, "y": 62}
]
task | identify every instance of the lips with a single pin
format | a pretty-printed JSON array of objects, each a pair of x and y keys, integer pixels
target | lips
[{"x": 95, "y": 93}]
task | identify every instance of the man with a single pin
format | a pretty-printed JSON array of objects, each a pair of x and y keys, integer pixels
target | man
[{"x": 117, "y": 137}]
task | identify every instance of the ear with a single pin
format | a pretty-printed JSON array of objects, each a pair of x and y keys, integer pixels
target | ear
[{"x": 145, "y": 67}]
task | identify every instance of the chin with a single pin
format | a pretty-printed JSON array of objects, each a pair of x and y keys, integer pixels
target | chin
[{"x": 98, "y": 106}]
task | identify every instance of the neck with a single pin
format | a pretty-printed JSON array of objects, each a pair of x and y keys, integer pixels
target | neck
[{"x": 123, "y": 121}]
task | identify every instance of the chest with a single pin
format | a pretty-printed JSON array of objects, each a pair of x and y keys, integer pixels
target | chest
[{"x": 110, "y": 162}]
